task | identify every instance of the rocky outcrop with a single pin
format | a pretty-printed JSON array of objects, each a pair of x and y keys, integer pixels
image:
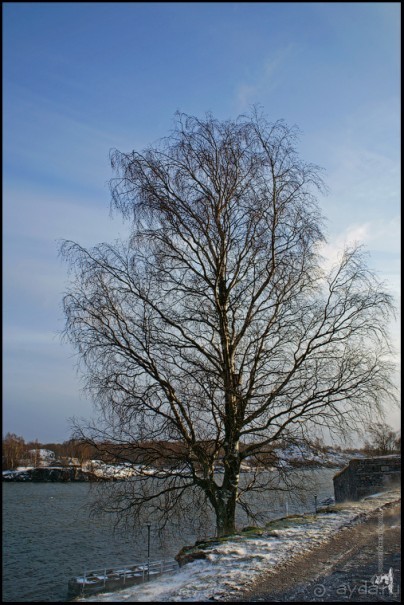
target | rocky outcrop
[
  {"x": 199, "y": 550},
  {"x": 50, "y": 474},
  {"x": 184, "y": 556}
]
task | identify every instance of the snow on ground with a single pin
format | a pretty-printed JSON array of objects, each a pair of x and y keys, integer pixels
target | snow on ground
[
  {"x": 286, "y": 457},
  {"x": 119, "y": 471},
  {"x": 233, "y": 565},
  {"x": 303, "y": 453},
  {"x": 42, "y": 453},
  {"x": 21, "y": 471},
  {"x": 124, "y": 470}
]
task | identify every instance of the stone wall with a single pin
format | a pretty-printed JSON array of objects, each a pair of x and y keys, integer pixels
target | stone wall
[{"x": 366, "y": 476}]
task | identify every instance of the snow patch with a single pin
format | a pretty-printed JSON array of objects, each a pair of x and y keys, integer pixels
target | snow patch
[{"x": 235, "y": 563}]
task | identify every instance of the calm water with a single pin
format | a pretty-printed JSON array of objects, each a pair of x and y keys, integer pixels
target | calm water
[{"x": 48, "y": 536}]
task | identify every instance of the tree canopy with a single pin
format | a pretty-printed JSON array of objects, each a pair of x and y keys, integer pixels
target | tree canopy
[{"x": 216, "y": 326}]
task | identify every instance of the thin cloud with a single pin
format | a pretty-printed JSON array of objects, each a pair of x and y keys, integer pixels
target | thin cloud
[
  {"x": 15, "y": 336},
  {"x": 57, "y": 145},
  {"x": 381, "y": 236},
  {"x": 48, "y": 217},
  {"x": 248, "y": 93}
]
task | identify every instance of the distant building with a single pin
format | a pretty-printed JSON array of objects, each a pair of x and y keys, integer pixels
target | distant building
[{"x": 365, "y": 476}]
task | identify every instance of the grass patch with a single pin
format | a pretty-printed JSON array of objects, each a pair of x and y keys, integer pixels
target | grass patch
[
  {"x": 251, "y": 532},
  {"x": 286, "y": 522}
]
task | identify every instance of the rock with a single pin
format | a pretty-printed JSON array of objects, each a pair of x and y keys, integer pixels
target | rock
[
  {"x": 51, "y": 474},
  {"x": 183, "y": 558}
]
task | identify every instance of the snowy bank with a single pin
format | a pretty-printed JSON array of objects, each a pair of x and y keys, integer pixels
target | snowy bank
[
  {"x": 290, "y": 457},
  {"x": 233, "y": 564}
]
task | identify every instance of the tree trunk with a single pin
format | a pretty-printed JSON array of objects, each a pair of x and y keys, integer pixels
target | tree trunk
[
  {"x": 225, "y": 510},
  {"x": 227, "y": 495}
]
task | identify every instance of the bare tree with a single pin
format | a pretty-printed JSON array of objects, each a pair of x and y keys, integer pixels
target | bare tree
[
  {"x": 383, "y": 440},
  {"x": 14, "y": 449},
  {"x": 214, "y": 331}
]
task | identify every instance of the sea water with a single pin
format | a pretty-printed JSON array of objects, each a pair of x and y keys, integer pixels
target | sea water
[{"x": 49, "y": 536}]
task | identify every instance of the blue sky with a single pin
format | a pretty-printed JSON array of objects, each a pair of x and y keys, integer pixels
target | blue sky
[{"x": 81, "y": 78}]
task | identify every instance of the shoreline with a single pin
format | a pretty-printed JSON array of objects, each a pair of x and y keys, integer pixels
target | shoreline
[
  {"x": 341, "y": 569},
  {"x": 235, "y": 569},
  {"x": 63, "y": 474}
]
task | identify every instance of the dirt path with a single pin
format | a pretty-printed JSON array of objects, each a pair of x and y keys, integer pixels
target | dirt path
[{"x": 342, "y": 569}]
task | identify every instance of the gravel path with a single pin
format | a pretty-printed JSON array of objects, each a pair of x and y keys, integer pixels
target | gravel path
[{"x": 342, "y": 569}]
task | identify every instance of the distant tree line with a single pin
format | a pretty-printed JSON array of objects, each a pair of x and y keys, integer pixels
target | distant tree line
[
  {"x": 382, "y": 440},
  {"x": 17, "y": 452}
]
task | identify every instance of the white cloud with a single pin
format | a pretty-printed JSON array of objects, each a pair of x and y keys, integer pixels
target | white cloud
[
  {"x": 251, "y": 92},
  {"x": 364, "y": 183},
  {"x": 378, "y": 237},
  {"x": 381, "y": 239}
]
